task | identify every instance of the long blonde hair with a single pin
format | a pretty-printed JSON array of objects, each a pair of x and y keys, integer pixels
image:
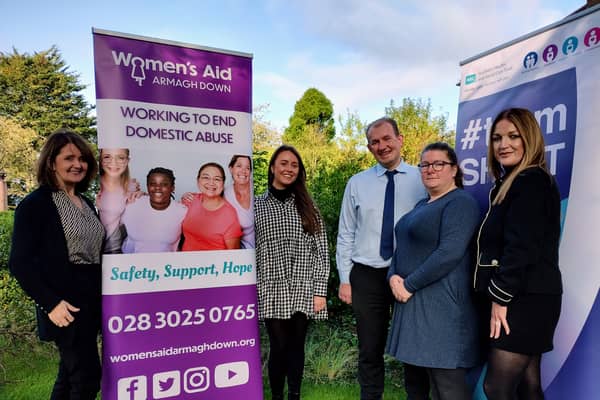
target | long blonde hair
[
  {"x": 534, "y": 152},
  {"x": 124, "y": 178}
]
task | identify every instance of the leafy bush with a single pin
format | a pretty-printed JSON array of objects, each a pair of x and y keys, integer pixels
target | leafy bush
[
  {"x": 17, "y": 311},
  {"x": 6, "y": 226}
]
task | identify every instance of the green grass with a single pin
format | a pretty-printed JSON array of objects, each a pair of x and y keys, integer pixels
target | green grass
[
  {"x": 27, "y": 368},
  {"x": 341, "y": 391}
]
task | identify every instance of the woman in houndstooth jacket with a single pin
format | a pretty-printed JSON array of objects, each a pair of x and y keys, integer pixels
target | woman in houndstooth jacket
[{"x": 292, "y": 267}]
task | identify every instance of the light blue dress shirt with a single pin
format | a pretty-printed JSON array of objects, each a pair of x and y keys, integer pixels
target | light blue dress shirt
[{"x": 359, "y": 232}]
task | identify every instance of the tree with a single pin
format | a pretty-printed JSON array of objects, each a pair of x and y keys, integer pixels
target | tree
[
  {"x": 264, "y": 136},
  {"x": 40, "y": 93},
  {"x": 313, "y": 109},
  {"x": 265, "y": 140},
  {"x": 418, "y": 126},
  {"x": 17, "y": 157},
  {"x": 352, "y": 135}
]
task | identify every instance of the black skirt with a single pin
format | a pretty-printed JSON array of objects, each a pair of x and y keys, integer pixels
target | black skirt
[{"x": 532, "y": 319}]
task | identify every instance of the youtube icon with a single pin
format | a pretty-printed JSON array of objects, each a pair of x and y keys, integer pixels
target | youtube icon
[{"x": 231, "y": 374}]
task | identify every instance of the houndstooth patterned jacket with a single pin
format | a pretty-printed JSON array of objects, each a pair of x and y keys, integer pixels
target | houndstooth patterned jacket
[{"x": 292, "y": 266}]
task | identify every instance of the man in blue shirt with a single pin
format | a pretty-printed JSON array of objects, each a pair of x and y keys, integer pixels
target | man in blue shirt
[{"x": 362, "y": 257}]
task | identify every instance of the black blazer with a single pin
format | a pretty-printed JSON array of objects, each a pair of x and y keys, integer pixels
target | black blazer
[
  {"x": 39, "y": 258},
  {"x": 517, "y": 245}
]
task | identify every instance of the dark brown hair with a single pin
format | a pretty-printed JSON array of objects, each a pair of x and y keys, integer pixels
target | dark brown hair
[
  {"x": 451, "y": 154},
  {"x": 46, "y": 174},
  {"x": 309, "y": 214},
  {"x": 235, "y": 158},
  {"x": 217, "y": 166}
]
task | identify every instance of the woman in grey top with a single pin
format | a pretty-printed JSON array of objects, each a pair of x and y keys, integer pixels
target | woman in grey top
[{"x": 434, "y": 323}]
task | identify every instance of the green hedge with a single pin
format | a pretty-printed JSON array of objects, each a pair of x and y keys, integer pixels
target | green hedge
[
  {"x": 6, "y": 226},
  {"x": 17, "y": 313}
]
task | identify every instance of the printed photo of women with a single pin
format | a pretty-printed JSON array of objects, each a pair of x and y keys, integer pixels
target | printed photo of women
[
  {"x": 116, "y": 190},
  {"x": 211, "y": 222},
  {"x": 153, "y": 222},
  {"x": 239, "y": 195}
]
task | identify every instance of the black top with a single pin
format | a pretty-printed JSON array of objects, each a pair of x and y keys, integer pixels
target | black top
[
  {"x": 281, "y": 194},
  {"x": 519, "y": 238},
  {"x": 39, "y": 256}
]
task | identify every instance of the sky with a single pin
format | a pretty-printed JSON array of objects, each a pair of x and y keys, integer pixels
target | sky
[{"x": 360, "y": 54}]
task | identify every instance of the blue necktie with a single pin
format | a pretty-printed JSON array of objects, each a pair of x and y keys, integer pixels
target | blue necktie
[{"x": 386, "y": 247}]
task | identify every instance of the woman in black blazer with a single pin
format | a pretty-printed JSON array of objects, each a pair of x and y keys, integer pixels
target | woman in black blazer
[
  {"x": 517, "y": 265},
  {"x": 55, "y": 256}
]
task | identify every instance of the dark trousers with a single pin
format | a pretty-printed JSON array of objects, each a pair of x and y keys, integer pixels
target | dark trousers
[
  {"x": 79, "y": 370},
  {"x": 286, "y": 353},
  {"x": 371, "y": 303}
]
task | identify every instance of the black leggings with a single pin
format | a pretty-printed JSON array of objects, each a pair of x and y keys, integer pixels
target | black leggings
[
  {"x": 286, "y": 353},
  {"x": 513, "y": 375}
]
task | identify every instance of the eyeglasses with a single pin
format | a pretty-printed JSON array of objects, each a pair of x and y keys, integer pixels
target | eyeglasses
[
  {"x": 107, "y": 159},
  {"x": 437, "y": 165},
  {"x": 208, "y": 178}
]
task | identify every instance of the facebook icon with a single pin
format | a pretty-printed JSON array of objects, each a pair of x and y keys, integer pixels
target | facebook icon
[{"x": 132, "y": 388}]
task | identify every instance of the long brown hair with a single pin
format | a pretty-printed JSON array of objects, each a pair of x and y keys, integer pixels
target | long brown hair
[
  {"x": 51, "y": 149},
  {"x": 534, "y": 153},
  {"x": 309, "y": 214}
]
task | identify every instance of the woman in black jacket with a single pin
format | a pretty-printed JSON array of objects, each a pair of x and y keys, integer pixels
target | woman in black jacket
[
  {"x": 517, "y": 266},
  {"x": 55, "y": 256}
]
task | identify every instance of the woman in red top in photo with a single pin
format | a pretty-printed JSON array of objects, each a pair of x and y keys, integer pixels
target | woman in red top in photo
[{"x": 211, "y": 223}]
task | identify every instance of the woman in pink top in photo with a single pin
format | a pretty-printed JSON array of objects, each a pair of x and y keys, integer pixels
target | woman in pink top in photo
[
  {"x": 211, "y": 223},
  {"x": 116, "y": 190}
]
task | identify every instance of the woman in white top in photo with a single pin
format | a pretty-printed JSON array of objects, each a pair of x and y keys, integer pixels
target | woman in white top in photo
[
  {"x": 239, "y": 195},
  {"x": 153, "y": 222}
]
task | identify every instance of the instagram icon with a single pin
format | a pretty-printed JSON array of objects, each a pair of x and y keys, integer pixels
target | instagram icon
[{"x": 196, "y": 380}]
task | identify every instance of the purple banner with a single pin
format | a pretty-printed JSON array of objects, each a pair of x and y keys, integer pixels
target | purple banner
[
  {"x": 176, "y": 324},
  {"x": 169, "y": 74},
  {"x": 188, "y": 344}
]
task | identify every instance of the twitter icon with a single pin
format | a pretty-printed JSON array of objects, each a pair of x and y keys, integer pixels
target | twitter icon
[{"x": 166, "y": 384}]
